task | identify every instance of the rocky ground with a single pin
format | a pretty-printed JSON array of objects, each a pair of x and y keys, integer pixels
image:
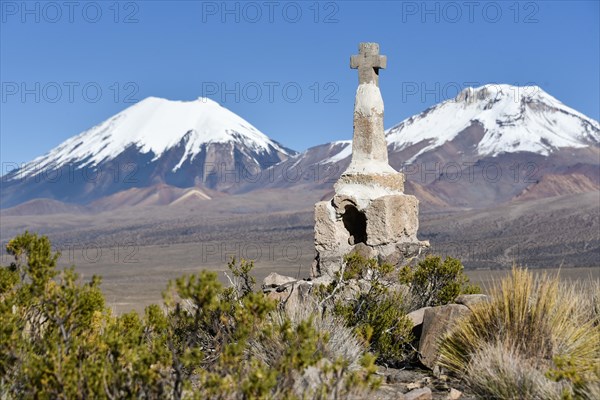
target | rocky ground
[
  {"x": 422, "y": 379},
  {"x": 421, "y": 384}
]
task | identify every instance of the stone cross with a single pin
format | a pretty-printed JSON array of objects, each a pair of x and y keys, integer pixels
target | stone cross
[
  {"x": 369, "y": 147},
  {"x": 368, "y": 61}
]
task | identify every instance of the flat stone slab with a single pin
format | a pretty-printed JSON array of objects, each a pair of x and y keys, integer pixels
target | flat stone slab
[{"x": 419, "y": 394}]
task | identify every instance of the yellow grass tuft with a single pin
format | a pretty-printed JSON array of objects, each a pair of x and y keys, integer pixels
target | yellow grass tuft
[{"x": 534, "y": 333}]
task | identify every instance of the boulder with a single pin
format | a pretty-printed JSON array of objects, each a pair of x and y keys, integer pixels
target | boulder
[
  {"x": 470, "y": 300},
  {"x": 401, "y": 254},
  {"x": 454, "y": 394},
  {"x": 419, "y": 394},
  {"x": 363, "y": 250},
  {"x": 437, "y": 321},
  {"x": 293, "y": 295},
  {"x": 273, "y": 280},
  {"x": 325, "y": 230},
  {"x": 417, "y": 316}
]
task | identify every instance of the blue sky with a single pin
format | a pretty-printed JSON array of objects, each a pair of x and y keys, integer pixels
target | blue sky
[{"x": 283, "y": 66}]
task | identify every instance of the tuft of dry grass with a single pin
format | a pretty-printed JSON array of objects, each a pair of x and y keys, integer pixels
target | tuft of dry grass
[
  {"x": 536, "y": 336},
  {"x": 342, "y": 342},
  {"x": 502, "y": 373}
]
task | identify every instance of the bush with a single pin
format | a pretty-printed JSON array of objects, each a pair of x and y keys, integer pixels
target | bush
[
  {"x": 382, "y": 322},
  {"x": 434, "y": 283},
  {"x": 544, "y": 332},
  {"x": 377, "y": 314},
  {"x": 58, "y": 340}
]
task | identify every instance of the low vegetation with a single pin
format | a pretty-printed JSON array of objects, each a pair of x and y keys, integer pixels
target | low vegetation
[
  {"x": 59, "y": 340},
  {"x": 434, "y": 282},
  {"x": 378, "y": 310},
  {"x": 537, "y": 339}
]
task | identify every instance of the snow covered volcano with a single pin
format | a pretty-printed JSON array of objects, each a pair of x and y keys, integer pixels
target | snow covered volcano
[
  {"x": 538, "y": 146},
  {"x": 155, "y": 126},
  {"x": 156, "y": 141},
  {"x": 512, "y": 119},
  {"x": 486, "y": 146}
]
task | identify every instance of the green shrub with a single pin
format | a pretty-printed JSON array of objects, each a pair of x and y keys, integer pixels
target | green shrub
[
  {"x": 382, "y": 322},
  {"x": 356, "y": 267},
  {"x": 59, "y": 340},
  {"x": 378, "y": 314},
  {"x": 433, "y": 282}
]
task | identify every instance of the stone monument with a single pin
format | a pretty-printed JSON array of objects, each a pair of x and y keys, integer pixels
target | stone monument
[{"x": 369, "y": 212}]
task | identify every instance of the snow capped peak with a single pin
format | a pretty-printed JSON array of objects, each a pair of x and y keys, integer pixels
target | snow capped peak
[
  {"x": 156, "y": 125},
  {"x": 514, "y": 118}
]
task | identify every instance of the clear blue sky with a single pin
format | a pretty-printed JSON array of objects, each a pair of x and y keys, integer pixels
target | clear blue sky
[{"x": 183, "y": 50}]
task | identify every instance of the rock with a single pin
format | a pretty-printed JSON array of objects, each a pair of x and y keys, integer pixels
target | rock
[
  {"x": 417, "y": 316},
  {"x": 419, "y": 394},
  {"x": 322, "y": 280},
  {"x": 413, "y": 385},
  {"x": 384, "y": 392},
  {"x": 436, "y": 322},
  {"x": 392, "y": 219},
  {"x": 350, "y": 290},
  {"x": 401, "y": 376},
  {"x": 278, "y": 296},
  {"x": 363, "y": 250},
  {"x": 364, "y": 285},
  {"x": 312, "y": 377},
  {"x": 401, "y": 254},
  {"x": 397, "y": 288},
  {"x": 454, "y": 394},
  {"x": 470, "y": 300},
  {"x": 293, "y": 295},
  {"x": 325, "y": 229},
  {"x": 274, "y": 280}
]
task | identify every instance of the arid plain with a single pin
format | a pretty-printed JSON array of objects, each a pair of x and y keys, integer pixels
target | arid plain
[{"x": 137, "y": 250}]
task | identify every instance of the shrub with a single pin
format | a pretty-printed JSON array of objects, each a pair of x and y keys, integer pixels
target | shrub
[
  {"x": 433, "y": 282},
  {"x": 382, "y": 322},
  {"x": 251, "y": 350},
  {"x": 341, "y": 342},
  {"x": 538, "y": 322},
  {"x": 58, "y": 340},
  {"x": 377, "y": 314}
]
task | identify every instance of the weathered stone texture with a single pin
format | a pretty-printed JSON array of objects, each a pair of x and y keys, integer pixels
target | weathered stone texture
[
  {"x": 369, "y": 208},
  {"x": 437, "y": 321},
  {"x": 394, "y": 182},
  {"x": 392, "y": 219},
  {"x": 472, "y": 300}
]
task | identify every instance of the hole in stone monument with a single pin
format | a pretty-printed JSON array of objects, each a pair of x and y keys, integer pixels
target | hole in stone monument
[{"x": 355, "y": 223}]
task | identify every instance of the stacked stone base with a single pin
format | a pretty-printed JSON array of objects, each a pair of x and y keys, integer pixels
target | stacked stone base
[{"x": 369, "y": 214}]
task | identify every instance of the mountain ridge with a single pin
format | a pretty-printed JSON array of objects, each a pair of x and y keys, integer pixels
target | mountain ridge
[{"x": 210, "y": 148}]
